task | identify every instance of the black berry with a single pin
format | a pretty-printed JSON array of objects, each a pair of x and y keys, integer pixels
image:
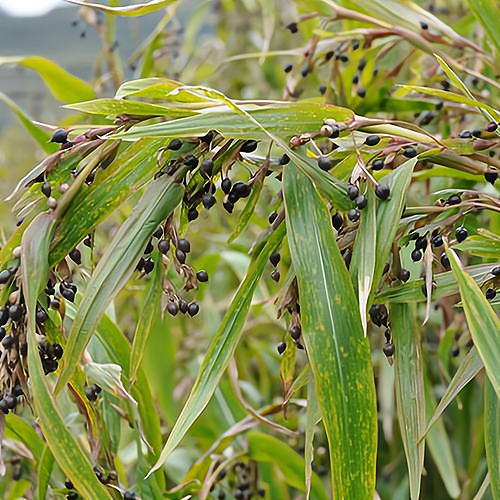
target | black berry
[
  {"x": 226, "y": 185},
  {"x": 378, "y": 164},
  {"x": 416, "y": 255},
  {"x": 324, "y": 163},
  {"x": 175, "y": 144},
  {"x": 249, "y": 146},
  {"x": 240, "y": 189},
  {"x": 193, "y": 309},
  {"x": 353, "y": 215},
  {"x": 491, "y": 293},
  {"x": 202, "y": 276},
  {"x": 361, "y": 202},
  {"x": 337, "y": 221},
  {"x": 409, "y": 152},
  {"x": 372, "y": 140},
  {"x": 454, "y": 199},
  {"x": 163, "y": 246},
  {"x": 437, "y": 241},
  {"x": 191, "y": 161},
  {"x": 404, "y": 275},
  {"x": 281, "y": 347},
  {"x": 207, "y": 168},
  {"x": 388, "y": 349},
  {"x": 60, "y": 136},
  {"x": 383, "y": 191},
  {"x": 180, "y": 255},
  {"x": 172, "y": 308},
  {"x": 353, "y": 191},
  {"x": 461, "y": 234}
]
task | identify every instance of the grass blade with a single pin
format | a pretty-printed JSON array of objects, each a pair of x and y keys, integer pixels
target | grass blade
[
  {"x": 313, "y": 416},
  {"x": 140, "y": 9},
  {"x": 67, "y": 452},
  {"x": 410, "y": 398},
  {"x": 117, "y": 265},
  {"x": 492, "y": 437},
  {"x": 338, "y": 353},
  {"x": 45, "y": 468},
  {"x": 481, "y": 318},
  {"x": 221, "y": 348},
  {"x": 486, "y": 13}
]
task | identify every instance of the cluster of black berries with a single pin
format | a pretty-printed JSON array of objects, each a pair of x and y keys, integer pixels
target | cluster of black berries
[
  {"x": 240, "y": 484},
  {"x": 49, "y": 355},
  {"x": 178, "y": 304},
  {"x": 9, "y": 400},
  {"x": 381, "y": 190},
  {"x": 92, "y": 392},
  {"x": 275, "y": 259},
  {"x": 491, "y": 292},
  {"x": 380, "y": 317},
  {"x": 295, "y": 329}
]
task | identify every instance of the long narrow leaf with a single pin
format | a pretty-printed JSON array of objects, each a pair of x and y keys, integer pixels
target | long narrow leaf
[
  {"x": 338, "y": 353},
  {"x": 492, "y": 436}
]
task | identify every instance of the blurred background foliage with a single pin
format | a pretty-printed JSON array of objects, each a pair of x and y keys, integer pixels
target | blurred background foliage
[{"x": 244, "y": 50}]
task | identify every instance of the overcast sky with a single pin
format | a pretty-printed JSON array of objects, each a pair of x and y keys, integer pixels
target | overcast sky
[{"x": 29, "y": 8}]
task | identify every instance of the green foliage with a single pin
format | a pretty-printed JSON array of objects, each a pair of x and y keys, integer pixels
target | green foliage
[{"x": 182, "y": 232}]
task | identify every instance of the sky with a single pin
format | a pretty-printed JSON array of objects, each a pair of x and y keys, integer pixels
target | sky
[{"x": 29, "y": 8}]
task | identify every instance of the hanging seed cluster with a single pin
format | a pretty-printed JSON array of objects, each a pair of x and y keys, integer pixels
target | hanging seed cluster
[{"x": 239, "y": 482}]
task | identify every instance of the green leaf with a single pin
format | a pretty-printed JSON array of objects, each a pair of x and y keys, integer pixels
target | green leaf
[
  {"x": 440, "y": 447},
  {"x": 486, "y": 13},
  {"x": 481, "y": 246},
  {"x": 19, "y": 430},
  {"x": 45, "y": 468},
  {"x": 147, "y": 318},
  {"x": 247, "y": 212},
  {"x": 492, "y": 436},
  {"x": 136, "y": 10},
  {"x": 481, "y": 318},
  {"x": 470, "y": 366},
  {"x": 67, "y": 452},
  {"x": 36, "y": 132},
  {"x": 117, "y": 265},
  {"x": 338, "y": 353},
  {"x": 313, "y": 416},
  {"x": 63, "y": 85},
  {"x": 221, "y": 348},
  {"x": 265, "y": 448},
  {"x": 410, "y": 397}
]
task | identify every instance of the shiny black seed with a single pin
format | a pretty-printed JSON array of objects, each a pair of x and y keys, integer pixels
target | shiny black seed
[
  {"x": 11, "y": 402},
  {"x": 292, "y": 27},
  {"x": 445, "y": 84},
  {"x": 175, "y": 145},
  {"x": 285, "y": 159},
  {"x": 183, "y": 306},
  {"x": 437, "y": 241},
  {"x": 281, "y": 347},
  {"x": 88, "y": 241},
  {"x": 461, "y": 234},
  {"x": 15, "y": 312},
  {"x": 337, "y": 221},
  {"x": 172, "y": 308},
  {"x": 424, "y": 26},
  {"x": 202, "y": 276},
  {"x": 362, "y": 64},
  {"x": 372, "y": 140},
  {"x": 58, "y": 351},
  {"x": 383, "y": 191},
  {"x": 477, "y": 133},
  {"x": 207, "y": 168},
  {"x": 8, "y": 342},
  {"x": 180, "y": 255},
  {"x": 192, "y": 214},
  {"x": 299, "y": 346},
  {"x": 4, "y": 407},
  {"x": 139, "y": 267},
  {"x": 491, "y": 293},
  {"x": 353, "y": 191},
  {"x": 184, "y": 245},
  {"x": 439, "y": 105},
  {"x": 353, "y": 215},
  {"x": 275, "y": 258},
  {"x": 454, "y": 199},
  {"x": 232, "y": 198},
  {"x": 272, "y": 217},
  {"x": 305, "y": 71},
  {"x": 129, "y": 495},
  {"x": 416, "y": 255},
  {"x": 240, "y": 189},
  {"x": 17, "y": 390},
  {"x": 342, "y": 58},
  {"x": 193, "y": 309},
  {"x": 295, "y": 331},
  {"x": 491, "y": 127},
  {"x": 388, "y": 349},
  {"x": 226, "y": 185},
  {"x": 262, "y": 491},
  {"x": 329, "y": 55},
  {"x": 465, "y": 134},
  {"x": 324, "y": 163},
  {"x": 421, "y": 243},
  {"x": 355, "y": 46},
  {"x": 149, "y": 265},
  {"x": 378, "y": 164},
  {"x": 361, "y": 202},
  {"x": 239, "y": 495},
  {"x": 228, "y": 206},
  {"x": 60, "y": 136},
  {"x": 491, "y": 177},
  {"x": 249, "y": 146},
  {"x": 158, "y": 233},
  {"x": 50, "y": 366},
  {"x": 208, "y": 200},
  {"x": 355, "y": 80},
  {"x": 68, "y": 484},
  {"x": 68, "y": 294},
  {"x": 455, "y": 351},
  {"x": 322, "y": 89},
  {"x": 90, "y": 393},
  {"x": 3, "y": 332},
  {"x": 409, "y": 152},
  {"x": 149, "y": 248},
  {"x": 335, "y": 132},
  {"x": 4, "y": 316},
  {"x": 275, "y": 275},
  {"x": 445, "y": 262},
  {"x": 378, "y": 314},
  {"x": 5, "y": 276},
  {"x": 41, "y": 316},
  {"x": 46, "y": 189},
  {"x": 496, "y": 271},
  {"x": 76, "y": 256},
  {"x": 288, "y": 68},
  {"x": 361, "y": 92},
  {"x": 191, "y": 161},
  {"x": 208, "y": 137},
  {"x": 404, "y": 275}
]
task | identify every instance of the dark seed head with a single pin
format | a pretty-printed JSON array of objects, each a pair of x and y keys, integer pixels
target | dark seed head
[
  {"x": 353, "y": 215},
  {"x": 287, "y": 68},
  {"x": 275, "y": 275},
  {"x": 172, "y": 308},
  {"x": 388, "y": 349},
  {"x": 228, "y": 206},
  {"x": 149, "y": 248},
  {"x": 193, "y": 309},
  {"x": 232, "y": 198},
  {"x": 383, "y": 191},
  {"x": 284, "y": 160},
  {"x": 11, "y": 402},
  {"x": 208, "y": 200},
  {"x": 477, "y": 133},
  {"x": 424, "y": 26},
  {"x": 491, "y": 293},
  {"x": 58, "y": 351},
  {"x": 275, "y": 258},
  {"x": 272, "y": 217},
  {"x": 68, "y": 484},
  {"x": 465, "y": 134},
  {"x": 295, "y": 331},
  {"x": 240, "y": 189},
  {"x": 361, "y": 65},
  {"x": 163, "y": 246},
  {"x": 372, "y": 140},
  {"x": 496, "y": 271},
  {"x": 8, "y": 342},
  {"x": 404, "y": 275},
  {"x": 292, "y": 27},
  {"x": 378, "y": 164},
  {"x": 324, "y": 163},
  {"x": 180, "y": 255},
  {"x": 175, "y": 145},
  {"x": 192, "y": 214},
  {"x": 421, "y": 243},
  {"x": 409, "y": 152},
  {"x": 361, "y": 202},
  {"x": 207, "y": 168},
  {"x": 454, "y": 199},
  {"x": 437, "y": 241},
  {"x": 60, "y": 136},
  {"x": 416, "y": 255},
  {"x": 149, "y": 265},
  {"x": 17, "y": 391},
  {"x": 355, "y": 80},
  {"x": 76, "y": 256},
  {"x": 337, "y": 221},
  {"x": 158, "y": 233},
  {"x": 305, "y": 71},
  {"x": 491, "y": 177},
  {"x": 342, "y": 58},
  {"x": 129, "y": 495},
  {"x": 46, "y": 189},
  {"x": 183, "y": 306},
  {"x": 208, "y": 137},
  {"x": 226, "y": 185},
  {"x": 90, "y": 393},
  {"x": 352, "y": 191},
  {"x": 281, "y": 347},
  {"x": 68, "y": 294},
  {"x": 3, "y": 332},
  {"x": 15, "y": 312},
  {"x": 361, "y": 92},
  {"x": 191, "y": 161},
  {"x": 445, "y": 262},
  {"x": 5, "y": 276},
  {"x": 202, "y": 276},
  {"x": 249, "y": 146},
  {"x": 491, "y": 127},
  {"x": 455, "y": 351},
  {"x": 322, "y": 89},
  {"x": 184, "y": 245},
  {"x": 461, "y": 234}
]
